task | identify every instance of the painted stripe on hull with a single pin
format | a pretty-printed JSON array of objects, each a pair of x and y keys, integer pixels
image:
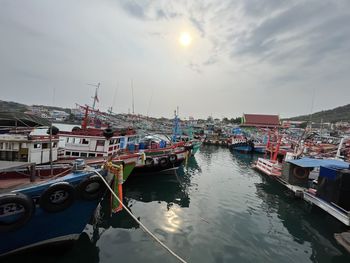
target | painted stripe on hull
[{"x": 62, "y": 239}]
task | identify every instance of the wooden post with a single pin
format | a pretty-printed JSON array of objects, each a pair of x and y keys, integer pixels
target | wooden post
[
  {"x": 32, "y": 172},
  {"x": 51, "y": 166}
]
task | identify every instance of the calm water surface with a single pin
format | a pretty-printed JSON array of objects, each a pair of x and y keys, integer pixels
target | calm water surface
[{"x": 217, "y": 209}]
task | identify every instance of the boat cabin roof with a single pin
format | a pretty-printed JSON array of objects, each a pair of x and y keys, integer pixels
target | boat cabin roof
[{"x": 312, "y": 163}]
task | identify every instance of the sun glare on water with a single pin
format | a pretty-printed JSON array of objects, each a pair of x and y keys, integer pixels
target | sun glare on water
[{"x": 185, "y": 39}]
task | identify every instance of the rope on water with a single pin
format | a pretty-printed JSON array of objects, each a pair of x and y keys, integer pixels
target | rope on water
[{"x": 142, "y": 225}]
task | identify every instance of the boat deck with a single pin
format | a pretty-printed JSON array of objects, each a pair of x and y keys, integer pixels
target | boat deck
[{"x": 310, "y": 197}]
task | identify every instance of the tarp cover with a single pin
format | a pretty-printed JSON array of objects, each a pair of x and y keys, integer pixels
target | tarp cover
[
  {"x": 310, "y": 163},
  {"x": 18, "y": 119}
]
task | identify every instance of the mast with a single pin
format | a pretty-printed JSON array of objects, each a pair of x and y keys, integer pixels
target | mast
[
  {"x": 96, "y": 93},
  {"x": 132, "y": 94},
  {"x": 110, "y": 110},
  {"x": 176, "y": 130}
]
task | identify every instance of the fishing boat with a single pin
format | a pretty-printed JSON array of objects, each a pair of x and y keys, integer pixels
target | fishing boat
[
  {"x": 192, "y": 145},
  {"x": 96, "y": 145},
  {"x": 240, "y": 143},
  {"x": 158, "y": 155},
  {"x": 18, "y": 144},
  {"x": 321, "y": 182},
  {"x": 47, "y": 210}
]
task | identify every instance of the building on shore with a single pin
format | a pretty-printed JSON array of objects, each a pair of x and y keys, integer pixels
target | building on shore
[{"x": 260, "y": 121}]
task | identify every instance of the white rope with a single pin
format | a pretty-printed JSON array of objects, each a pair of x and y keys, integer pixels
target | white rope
[{"x": 143, "y": 226}]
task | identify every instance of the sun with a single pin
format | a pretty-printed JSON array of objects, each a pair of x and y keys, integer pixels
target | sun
[{"x": 185, "y": 39}]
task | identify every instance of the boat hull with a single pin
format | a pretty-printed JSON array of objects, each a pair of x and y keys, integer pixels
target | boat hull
[
  {"x": 49, "y": 227},
  {"x": 156, "y": 168},
  {"x": 241, "y": 148}
]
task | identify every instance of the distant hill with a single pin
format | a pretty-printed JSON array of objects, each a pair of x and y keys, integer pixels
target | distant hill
[
  {"x": 341, "y": 113},
  {"x": 12, "y": 106},
  {"x": 19, "y": 107}
]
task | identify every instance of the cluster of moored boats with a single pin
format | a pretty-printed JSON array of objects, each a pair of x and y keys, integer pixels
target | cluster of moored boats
[
  {"x": 315, "y": 171},
  {"x": 49, "y": 179}
]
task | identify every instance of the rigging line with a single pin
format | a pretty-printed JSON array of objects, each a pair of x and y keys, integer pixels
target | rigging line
[
  {"x": 312, "y": 105},
  {"x": 149, "y": 103},
  {"x": 139, "y": 222},
  {"x": 114, "y": 97}
]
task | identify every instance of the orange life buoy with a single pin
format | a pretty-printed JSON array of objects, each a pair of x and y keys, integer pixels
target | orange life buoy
[{"x": 300, "y": 172}]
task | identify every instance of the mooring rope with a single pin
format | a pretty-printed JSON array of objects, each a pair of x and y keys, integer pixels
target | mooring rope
[{"x": 142, "y": 225}]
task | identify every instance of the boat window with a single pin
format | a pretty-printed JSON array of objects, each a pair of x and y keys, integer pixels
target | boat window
[
  {"x": 70, "y": 140},
  {"x": 117, "y": 140},
  {"x": 68, "y": 153},
  {"x": 100, "y": 143},
  {"x": 37, "y": 145},
  {"x": 83, "y": 154},
  {"x": 54, "y": 144},
  {"x": 45, "y": 145},
  {"x": 1, "y": 145},
  {"x": 111, "y": 142},
  {"x": 99, "y": 155},
  {"x": 132, "y": 139},
  {"x": 92, "y": 155},
  {"x": 77, "y": 140},
  {"x": 75, "y": 153},
  {"x": 85, "y": 141}
]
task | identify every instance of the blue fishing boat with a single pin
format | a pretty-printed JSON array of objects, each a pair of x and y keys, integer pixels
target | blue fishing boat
[
  {"x": 242, "y": 144},
  {"x": 191, "y": 145},
  {"x": 47, "y": 210}
]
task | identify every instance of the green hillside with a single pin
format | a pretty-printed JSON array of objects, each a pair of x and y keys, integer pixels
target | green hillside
[
  {"x": 12, "y": 106},
  {"x": 341, "y": 113}
]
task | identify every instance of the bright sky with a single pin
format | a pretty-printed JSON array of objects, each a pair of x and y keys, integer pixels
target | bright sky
[{"x": 219, "y": 58}]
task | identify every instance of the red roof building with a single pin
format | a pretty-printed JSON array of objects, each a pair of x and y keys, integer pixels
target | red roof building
[{"x": 260, "y": 120}]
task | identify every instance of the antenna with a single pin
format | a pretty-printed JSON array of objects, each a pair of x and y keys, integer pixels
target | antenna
[
  {"x": 150, "y": 102},
  {"x": 312, "y": 106},
  {"x": 114, "y": 97},
  {"x": 53, "y": 96},
  {"x": 132, "y": 93},
  {"x": 96, "y": 92}
]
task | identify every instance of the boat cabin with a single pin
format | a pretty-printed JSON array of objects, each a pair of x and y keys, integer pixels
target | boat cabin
[
  {"x": 27, "y": 148},
  {"x": 90, "y": 145}
]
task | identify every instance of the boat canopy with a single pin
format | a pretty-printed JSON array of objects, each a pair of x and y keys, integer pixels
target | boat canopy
[
  {"x": 311, "y": 163},
  {"x": 19, "y": 119}
]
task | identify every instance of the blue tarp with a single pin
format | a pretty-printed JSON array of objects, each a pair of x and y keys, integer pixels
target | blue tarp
[{"x": 310, "y": 163}]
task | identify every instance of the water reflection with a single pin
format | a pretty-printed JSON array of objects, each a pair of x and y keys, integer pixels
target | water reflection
[
  {"x": 167, "y": 187},
  {"x": 307, "y": 225},
  {"x": 170, "y": 187}
]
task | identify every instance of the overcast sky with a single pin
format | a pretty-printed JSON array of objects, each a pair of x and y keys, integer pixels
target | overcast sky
[{"x": 246, "y": 56}]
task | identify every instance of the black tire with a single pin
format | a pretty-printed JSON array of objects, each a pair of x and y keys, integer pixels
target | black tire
[
  {"x": 91, "y": 188},
  {"x": 55, "y": 191},
  {"x": 172, "y": 158},
  {"x": 76, "y": 128},
  {"x": 108, "y": 133},
  {"x": 149, "y": 161},
  {"x": 54, "y": 130},
  {"x": 163, "y": 162},
  {"x": 12, "y": 202}
]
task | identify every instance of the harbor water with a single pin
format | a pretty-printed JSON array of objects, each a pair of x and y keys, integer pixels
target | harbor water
[{"x": 215, "y": 209}]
